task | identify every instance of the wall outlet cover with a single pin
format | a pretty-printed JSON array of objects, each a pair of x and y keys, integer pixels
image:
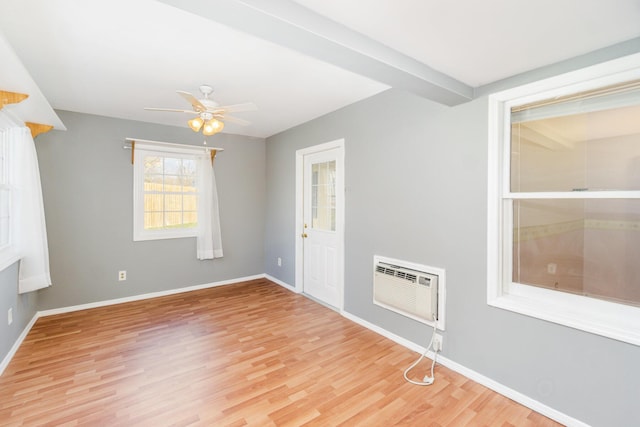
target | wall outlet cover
[{"x": 437, "y": 342}]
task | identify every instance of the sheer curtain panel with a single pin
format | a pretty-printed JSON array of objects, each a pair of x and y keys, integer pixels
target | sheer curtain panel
[
  {"x": 209, "y": 240},
  {"x": 26, "y": 233}
]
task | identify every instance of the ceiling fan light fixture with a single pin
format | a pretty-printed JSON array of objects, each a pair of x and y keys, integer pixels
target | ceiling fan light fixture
[
  {"x": 212, "y": 127},
  {"x": 195, "y": 124},
  {"x": 208, "y": 113}
]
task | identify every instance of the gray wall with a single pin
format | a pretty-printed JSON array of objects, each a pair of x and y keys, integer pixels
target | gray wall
[
  {"x": 24, "y": 308},
  {"x": 87, "y": 189},
  {"x": 416, "y": 188}
]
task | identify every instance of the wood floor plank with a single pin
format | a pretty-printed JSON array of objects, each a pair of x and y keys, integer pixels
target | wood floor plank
[{"x": 250, "y": 353}]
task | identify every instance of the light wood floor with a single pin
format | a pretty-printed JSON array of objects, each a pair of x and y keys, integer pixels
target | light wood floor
[{"x": 251, "y": 353}]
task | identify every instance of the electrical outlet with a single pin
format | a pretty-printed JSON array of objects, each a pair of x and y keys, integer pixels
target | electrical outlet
[
  {"x": 10, "y": 316},
  {"x": 437, "y": 342},
  {"x": 279, "y": 262},
  {"x": 552, "y": 267},
  {"x": 122, "y": 275}
]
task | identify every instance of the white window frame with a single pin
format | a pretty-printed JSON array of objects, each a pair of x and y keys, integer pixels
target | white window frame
[
  {"x": 166, "y": 150},
  {"x": 9, "y": 253},
  {"x": 610, "y": 319}
]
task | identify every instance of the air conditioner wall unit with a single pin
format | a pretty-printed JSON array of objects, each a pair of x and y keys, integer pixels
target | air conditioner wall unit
[{"x": 414, "y": 293}]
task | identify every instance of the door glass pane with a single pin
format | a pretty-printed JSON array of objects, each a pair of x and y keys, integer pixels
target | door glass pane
[
  {"x": 323, "y": 196},
  {"x": 588, "y": 247}
]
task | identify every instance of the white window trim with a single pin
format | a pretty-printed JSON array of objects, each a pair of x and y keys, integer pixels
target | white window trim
[
  {"x": 167, "y": 150},
  {"x": 609, "y": 319},
  {"x": 9, "y": 253}
]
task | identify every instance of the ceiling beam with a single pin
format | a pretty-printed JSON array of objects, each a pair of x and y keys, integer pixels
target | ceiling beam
[{"x": 293, "y": 26}]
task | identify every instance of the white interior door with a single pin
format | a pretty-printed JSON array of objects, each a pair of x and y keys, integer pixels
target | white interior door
[{"x": 322, "y": 226}]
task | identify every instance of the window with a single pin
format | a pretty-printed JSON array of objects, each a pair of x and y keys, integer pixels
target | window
[
  {"x": 564, "y": 200},
  {"x": 165, "y": 194},
  {"x": 5, "y": 194},
  {"x": 8, "y": 252},
  {"x": 5, "y": 199}
]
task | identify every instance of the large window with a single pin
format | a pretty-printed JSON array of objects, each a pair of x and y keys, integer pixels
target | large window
[
  {"x": 564, "y": 207},
  {"x": 165, "y": 194},
  {"x": 8, "y": 254}
]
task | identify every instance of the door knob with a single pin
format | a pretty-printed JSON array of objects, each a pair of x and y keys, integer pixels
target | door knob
[{"x": 304, "y": 235}]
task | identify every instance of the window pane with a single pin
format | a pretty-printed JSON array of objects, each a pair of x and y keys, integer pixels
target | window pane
[
  {"x": 153, "y": 202},
  {"x": 323, "y": 196},
  {"x": 173, "y": 202},
  {"x": 172, "y": 183},
  {"x": 189, "y": 184},
  {"x": 190, "y": 202},
  {"x": 586, "y": 142},
  {"x": 588, "y": 247},
  {"x": 152, "y": 165},
  {"x": 170, "y": 192},
  {"x": 153, "y": 220},
  {"x": 153, "y": 182},
  {"x": 172, "y": 219},
  {"x": 188, "y": 167},
  {"x": 4, "y": 217},
  {"x": 172, "y": 166},
  {"x": 190, "y": 219},
  {"x": 5, "y": 195},
  {"x": 4, "y": 231}
]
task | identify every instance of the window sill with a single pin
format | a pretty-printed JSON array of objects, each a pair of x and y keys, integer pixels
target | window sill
[
  {"x": 8, "y": 258},
  {"x": 617, "y": 321},
  {"x": 140, "y": 237}
]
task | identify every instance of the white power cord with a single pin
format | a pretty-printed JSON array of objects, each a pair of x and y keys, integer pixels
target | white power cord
[{"x": 427, "y": 380}]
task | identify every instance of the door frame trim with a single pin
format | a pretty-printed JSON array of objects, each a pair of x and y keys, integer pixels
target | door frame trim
[{"x": 340, "y": 212}]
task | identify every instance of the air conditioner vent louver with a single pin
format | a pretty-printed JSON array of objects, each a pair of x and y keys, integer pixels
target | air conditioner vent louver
[
  {"x": 396, "y": 272},
  {"x": 406, "y": 291}
]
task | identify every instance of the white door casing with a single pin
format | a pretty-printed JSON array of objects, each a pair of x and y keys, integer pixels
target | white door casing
[{"x": 320, "y": 222}]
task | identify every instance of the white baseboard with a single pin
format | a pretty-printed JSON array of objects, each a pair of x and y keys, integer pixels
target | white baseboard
[
  {"x": 145, "y": 296},
  {"x": 17, "y": 344},
  {"x": 69, "y": 309},
  {"x": 473, "y": 375},
  {"x": 469, "y": 373},
  {"x": 281, "y": 283}
]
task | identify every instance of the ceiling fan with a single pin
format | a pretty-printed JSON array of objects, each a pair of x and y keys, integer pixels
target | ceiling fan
[{"x": 210, "y": 116}]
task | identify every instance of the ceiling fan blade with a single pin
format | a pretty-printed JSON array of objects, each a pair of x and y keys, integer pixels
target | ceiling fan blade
[
  {"x": 177, "y": 110},
  {"x": 197, "y": 105},
  {"x": 235, "y": 108},
  {"x": 231, "y": 119}
]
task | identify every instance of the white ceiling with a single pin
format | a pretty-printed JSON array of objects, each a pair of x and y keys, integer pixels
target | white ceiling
[
  {"x": 479, "y": 42},
  {"x": 113, "y": 58}
]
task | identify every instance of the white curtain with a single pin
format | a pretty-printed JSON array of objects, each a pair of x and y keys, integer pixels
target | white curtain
[
  {"x": 209, "y": 240},
  {"x": 30, "y": 232}
]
